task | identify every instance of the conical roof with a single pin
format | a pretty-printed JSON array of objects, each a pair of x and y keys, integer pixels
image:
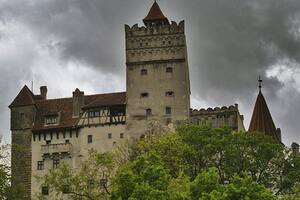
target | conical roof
[
  {"x": 261, "y": 120},
  {"x": 24, "y": 98},
  {"x": 155, "y": 14}
]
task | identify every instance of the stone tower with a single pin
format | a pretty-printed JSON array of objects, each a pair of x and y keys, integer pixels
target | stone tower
[
  {"x": 22, "y": 118},
  {"x": 157, "y": 73}
]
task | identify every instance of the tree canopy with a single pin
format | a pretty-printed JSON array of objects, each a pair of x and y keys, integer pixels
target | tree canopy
[{"x": 194, "y": 162}]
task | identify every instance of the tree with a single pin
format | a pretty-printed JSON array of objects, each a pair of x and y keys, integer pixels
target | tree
[{"x": 91, "y": 181}]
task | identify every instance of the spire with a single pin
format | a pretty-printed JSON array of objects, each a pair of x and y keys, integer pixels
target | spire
[
  {"x": 261, "y": 120},
  {"x": 155, "y": 16}
]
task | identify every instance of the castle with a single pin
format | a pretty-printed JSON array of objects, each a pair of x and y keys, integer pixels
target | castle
[{"x": 48, "y": 132}]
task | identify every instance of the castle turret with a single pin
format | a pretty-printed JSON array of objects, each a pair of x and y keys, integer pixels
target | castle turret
[
  {"x": 23, "y": 112},
  {"x": 261, "y": 120},
  {"x": 157, "y": 73}
]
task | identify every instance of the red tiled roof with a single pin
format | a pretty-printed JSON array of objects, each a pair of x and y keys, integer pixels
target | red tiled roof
[
  {"x": 24, "y": 98},
  {"x": 155, "y": 13},
  {"x": 64, "y": 107},
  {"x": 261, "y": 120}
]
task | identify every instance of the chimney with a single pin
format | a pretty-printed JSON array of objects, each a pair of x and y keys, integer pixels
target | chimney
[
  {"x": 78, "y": 102},
  {"x": 43, "y": 90},
  {"x": 295, "y": 148}
]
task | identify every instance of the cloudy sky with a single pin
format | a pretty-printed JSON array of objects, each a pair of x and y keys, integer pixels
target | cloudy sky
[{"x": 66, "y": 44}]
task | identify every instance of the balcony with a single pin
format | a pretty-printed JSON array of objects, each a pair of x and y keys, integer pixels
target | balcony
[{"x": 56, "y": 149}]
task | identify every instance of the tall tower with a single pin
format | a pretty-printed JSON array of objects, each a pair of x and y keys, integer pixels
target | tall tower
[
  {"x": 261, "y": 120},
  {"x": 22, "y": 118},
  {"x": 157, "y": 73}
]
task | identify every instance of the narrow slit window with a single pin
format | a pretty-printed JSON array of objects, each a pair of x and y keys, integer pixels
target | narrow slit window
[
  {"x": 168, "y": 110},
  {"x": 148, "y": 112},
  {"x": 90, "y": 139},
  {"x": 109, "y": 136}
]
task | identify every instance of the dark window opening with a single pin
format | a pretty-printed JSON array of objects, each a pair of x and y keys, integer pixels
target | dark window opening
[
  {"x": 90, "y": 139},
  {"x": 144, "y": 72},
  {"x": 67, "y": 141},
  {"x": 48, "y": 141},
  {"x": 94, "y": 113},
  {"x": 169, "y": 69},
  {"x": 145, "y": 94},
  {"x": 40, "y": 165},
  {"x": 168, "y": 110},
  {"x": 109, "y": 136},
  {"x": 121, "y": 135},
  {"x": 57, "y": 135},
  {"x": 45, "y": 190},
  {"x": 170, "y": 94},
  {"x": 66, "y": 189},
  {"x": 51, "y": 120},
  {"x": 148, "y": 112},
  {"x": 55, "y": 163}
]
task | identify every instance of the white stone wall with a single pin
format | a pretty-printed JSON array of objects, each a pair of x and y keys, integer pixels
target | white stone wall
[{"x": 79, "y": 148}]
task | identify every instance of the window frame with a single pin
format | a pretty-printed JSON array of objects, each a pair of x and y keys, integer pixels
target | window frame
[
  {"x": 168, "y": 110},
  {"x": 40, "y": 165},
  {"x": 90, "y": 139},
  {"x": 56, "y": 163}
]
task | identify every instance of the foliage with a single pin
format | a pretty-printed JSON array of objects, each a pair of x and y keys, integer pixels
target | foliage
[
  {"x": 82, "y": 183},
  {"x": 194, "y": 162}
]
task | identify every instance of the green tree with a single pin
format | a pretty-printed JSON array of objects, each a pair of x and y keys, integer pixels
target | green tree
[{"x": 91, "y": 181}]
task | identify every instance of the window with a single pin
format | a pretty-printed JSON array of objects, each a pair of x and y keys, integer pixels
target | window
[
  {"x": 45, "y": 190},
  {"x": 40, "y": 165},
  {"x": 148, "y": 112},
  {"x": 22, "y": 116},
  {"x": 66, "y": 189},
  {"x": 168, "y": 110},
  {"x": 55, "y": 163},
  {"x": 67, "y": 141},
  {"x": 169, "y": 70},
  {"x": 144, "y": 95},
  {"x": 121, "y": 135},
  {"x": 90, "y": 139},
  {"x": 109, "y": 136},
  {"x": 94, "y": 113},
  {"x": 48, "y": 141},
  {"x": 144, "y": 72},
  {"x": 50, "y": 120},
  {"x": 169, "y": 94}
]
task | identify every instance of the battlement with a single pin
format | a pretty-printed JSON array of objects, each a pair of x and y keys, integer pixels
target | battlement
[
  {"x": 214, "y": 110},
  {"x": 173, "y": 28}
]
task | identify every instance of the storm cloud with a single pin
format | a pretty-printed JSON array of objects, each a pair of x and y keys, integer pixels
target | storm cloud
[{"x": 74, "y": 43}]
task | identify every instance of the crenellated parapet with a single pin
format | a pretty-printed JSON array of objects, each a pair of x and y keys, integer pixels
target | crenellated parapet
[
  {"x": 219, "y": 117},
  {"x": 172, "y": 28}
]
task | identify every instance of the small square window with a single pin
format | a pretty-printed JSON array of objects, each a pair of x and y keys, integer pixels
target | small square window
[
  {"x": 170, "y": 94},
  {"x": 144, "y": 72},
  {"x": 169, "y": 70},
  {"x": 55, "y": 163},
  {"x": 144, "y": 95},
  {"x": 168, "y": 110},
  {"x": 45, "y": 190},
  {"x": 40, "y": 165},
  {"x": 148, "y": 112},
  {"x": 121, "y": 135},
  {"x": 109, "y": 136},
  {"x": 90, "y": 139}
]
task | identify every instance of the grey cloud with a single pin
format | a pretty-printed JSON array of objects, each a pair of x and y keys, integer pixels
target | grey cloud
[{"x": 229, "y": 42}]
